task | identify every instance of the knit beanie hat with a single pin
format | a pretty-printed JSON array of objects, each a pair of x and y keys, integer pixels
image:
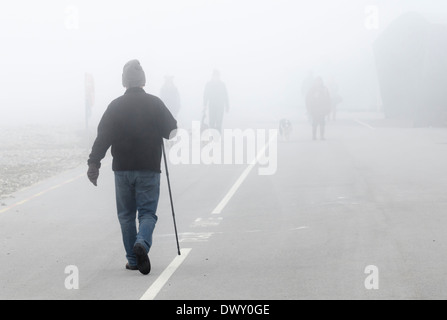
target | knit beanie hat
[{"x": 133, "y": 75}]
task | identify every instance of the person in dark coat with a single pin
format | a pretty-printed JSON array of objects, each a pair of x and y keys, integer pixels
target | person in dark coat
[
  {"x": 134, "y": 125},
  {"x": 170, "y": 95},
  {"x": 318, "y": 103},
  {"x": 215, "y": 100}
]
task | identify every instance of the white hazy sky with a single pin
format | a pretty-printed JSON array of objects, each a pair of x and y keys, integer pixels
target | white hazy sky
[{"x": 263, "y": 49}]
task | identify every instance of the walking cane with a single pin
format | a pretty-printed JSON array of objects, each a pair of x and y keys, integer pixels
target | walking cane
[{"x": 170, "y": 196}]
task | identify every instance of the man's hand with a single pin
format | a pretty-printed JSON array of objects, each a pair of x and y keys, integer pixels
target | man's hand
[{"x": 93, "y": 174}]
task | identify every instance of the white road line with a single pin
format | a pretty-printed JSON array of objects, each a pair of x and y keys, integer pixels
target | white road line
[
  {"x": 41, "y": 193},
  {"x": 299, "y": 228},
  {"x": 208, "y": 222},
  {"x": 155, "y": 288},
  {"x": 241, "y": 179},
  {"x": 233, "y": 189},
  {"x": 364, "y": 124}
]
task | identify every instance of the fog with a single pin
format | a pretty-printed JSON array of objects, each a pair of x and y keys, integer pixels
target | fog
[
  {"x": 281, "y": 201},
  {"x": 263, "y": 49}
]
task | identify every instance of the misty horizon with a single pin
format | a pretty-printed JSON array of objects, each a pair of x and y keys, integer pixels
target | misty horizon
[{"x": 264, "y": 50}]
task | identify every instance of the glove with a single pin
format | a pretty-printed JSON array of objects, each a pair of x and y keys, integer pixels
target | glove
[{"x": 93, "y": 174}]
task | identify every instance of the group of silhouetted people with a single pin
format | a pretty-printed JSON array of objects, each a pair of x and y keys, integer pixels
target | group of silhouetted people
[{"x": 134, "y": 126}]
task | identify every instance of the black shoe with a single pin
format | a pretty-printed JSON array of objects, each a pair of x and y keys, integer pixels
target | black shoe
[
  {"x": 143, "y": 262},
  {"x": 129, "y": 267}
]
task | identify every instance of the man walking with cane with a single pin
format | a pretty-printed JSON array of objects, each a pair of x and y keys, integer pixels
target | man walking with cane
[{"x": 134, "y": 125}]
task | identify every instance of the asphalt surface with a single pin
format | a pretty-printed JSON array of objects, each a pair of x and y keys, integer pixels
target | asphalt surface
[{"x": 371, "y": 194}]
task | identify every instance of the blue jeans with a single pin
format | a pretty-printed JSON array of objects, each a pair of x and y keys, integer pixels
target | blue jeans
[{"x": 137, "y": 191}]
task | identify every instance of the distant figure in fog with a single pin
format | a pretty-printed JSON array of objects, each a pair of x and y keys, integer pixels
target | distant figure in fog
[
  {"x": 170, "y": 96},
  {"x": 318, "y": 104},
  {"x": 215, "y": 101},
  {"x": 336, "y": 99},
  {"x": 285, "y": 128}
]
